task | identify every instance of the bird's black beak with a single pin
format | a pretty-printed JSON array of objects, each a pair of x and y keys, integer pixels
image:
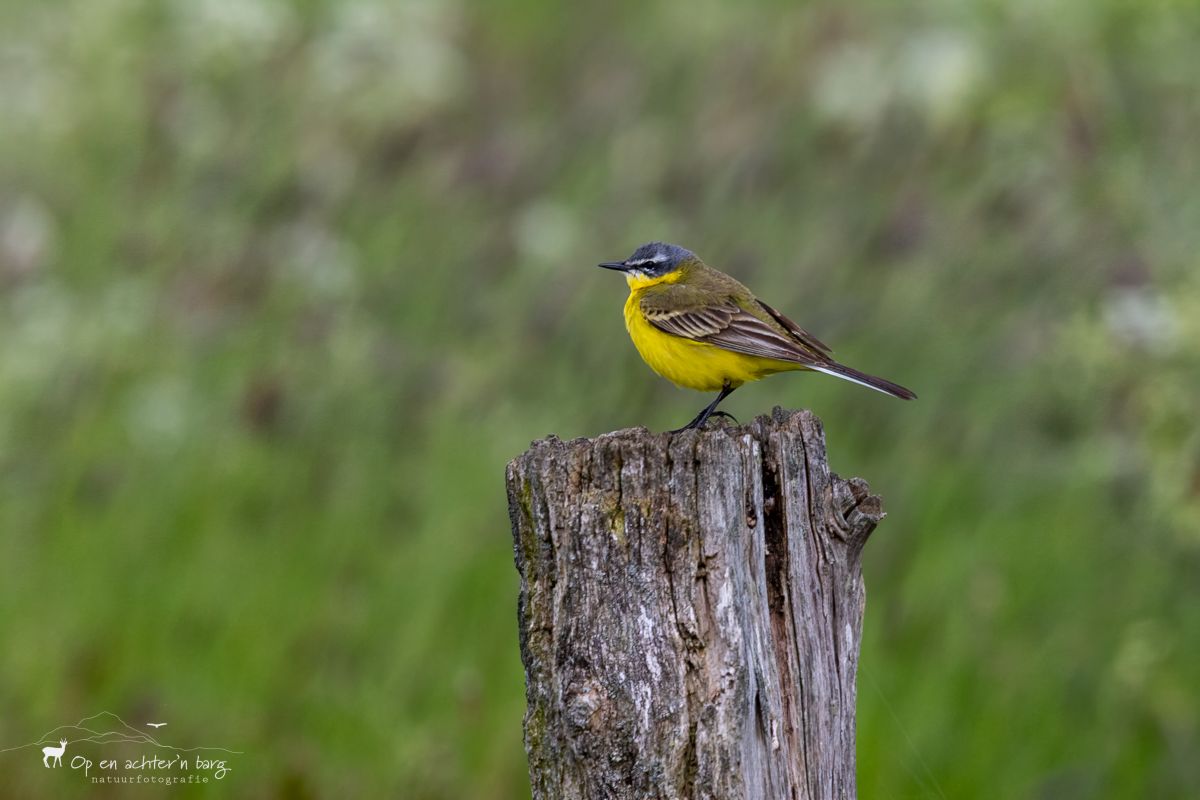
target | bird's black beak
[{"x": 619, "y": 266}]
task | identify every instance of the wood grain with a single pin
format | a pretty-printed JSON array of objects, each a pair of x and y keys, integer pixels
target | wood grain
[{"x": 690, "y": 612}]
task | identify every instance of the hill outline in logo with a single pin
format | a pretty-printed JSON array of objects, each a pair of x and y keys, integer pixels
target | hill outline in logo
[{"x": 121, "y": 732}]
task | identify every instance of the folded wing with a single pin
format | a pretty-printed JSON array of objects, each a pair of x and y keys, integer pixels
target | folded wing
[
  {"x": 729, "y": 326},
  {"x": 732, "y": 327}
]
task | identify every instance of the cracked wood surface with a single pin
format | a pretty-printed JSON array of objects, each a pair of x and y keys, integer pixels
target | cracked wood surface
[{"x": 690, "y": 612}]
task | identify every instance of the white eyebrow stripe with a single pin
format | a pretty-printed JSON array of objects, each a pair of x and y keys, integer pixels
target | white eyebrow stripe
[{"x": 655, "y": 260}]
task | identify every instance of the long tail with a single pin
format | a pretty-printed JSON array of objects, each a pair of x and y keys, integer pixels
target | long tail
[{"x": 863, "y": 379}]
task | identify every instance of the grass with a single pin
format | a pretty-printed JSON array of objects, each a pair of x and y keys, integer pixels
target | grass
[{"x": 284, "y": 285}]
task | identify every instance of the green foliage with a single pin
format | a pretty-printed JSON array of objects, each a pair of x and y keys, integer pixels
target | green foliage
[{"x": 284, "y": 285}]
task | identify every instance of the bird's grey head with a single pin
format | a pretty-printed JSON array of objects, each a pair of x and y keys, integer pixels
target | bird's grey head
[{"x": 652, "y": 260}]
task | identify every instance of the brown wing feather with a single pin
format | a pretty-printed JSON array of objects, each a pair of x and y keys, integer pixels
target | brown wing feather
[
  {"x": 804, "y": 336},
  {"x": 733, "y": 328}
]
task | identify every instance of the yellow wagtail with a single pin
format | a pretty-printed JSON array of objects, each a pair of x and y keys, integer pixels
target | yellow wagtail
[{"x": 701, "y": 329}]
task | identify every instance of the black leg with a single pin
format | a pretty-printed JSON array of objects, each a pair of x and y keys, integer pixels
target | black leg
[{"x": 703, "y": 416}]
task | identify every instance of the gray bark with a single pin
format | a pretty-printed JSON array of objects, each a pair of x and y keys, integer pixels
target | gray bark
[{"x": 690, "y": 612}]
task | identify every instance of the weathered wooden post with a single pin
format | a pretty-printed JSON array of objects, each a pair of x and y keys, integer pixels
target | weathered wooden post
[{"x": 690, "y": 612}]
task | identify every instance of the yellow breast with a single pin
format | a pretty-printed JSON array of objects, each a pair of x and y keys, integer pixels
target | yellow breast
[{"x": 690, "y": 364}]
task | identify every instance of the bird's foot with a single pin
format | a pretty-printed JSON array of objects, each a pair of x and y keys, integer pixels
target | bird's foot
[
  {"x": 709, "y": 410},
  {"x": 702, "y": 420}
]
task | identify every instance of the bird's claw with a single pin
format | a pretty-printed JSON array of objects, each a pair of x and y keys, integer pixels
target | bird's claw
[{"x": 697, "y": 424}]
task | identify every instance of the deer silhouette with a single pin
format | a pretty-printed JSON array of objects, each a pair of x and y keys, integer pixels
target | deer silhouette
[{"x": 54, "y": 752}]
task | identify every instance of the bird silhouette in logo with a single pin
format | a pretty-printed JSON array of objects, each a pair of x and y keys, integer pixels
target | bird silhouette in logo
[{"x": 155, "y": 724}]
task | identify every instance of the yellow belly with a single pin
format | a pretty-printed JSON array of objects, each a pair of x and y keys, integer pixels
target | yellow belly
[{"x": 695, "y": 365}]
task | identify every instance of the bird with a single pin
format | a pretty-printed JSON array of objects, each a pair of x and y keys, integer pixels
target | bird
[
  {"x": 702, "y": 329},
  {"x": 155, "y": 724}
]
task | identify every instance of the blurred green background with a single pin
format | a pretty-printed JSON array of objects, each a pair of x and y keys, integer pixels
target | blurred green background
[{"x": 284, "y": 285}]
